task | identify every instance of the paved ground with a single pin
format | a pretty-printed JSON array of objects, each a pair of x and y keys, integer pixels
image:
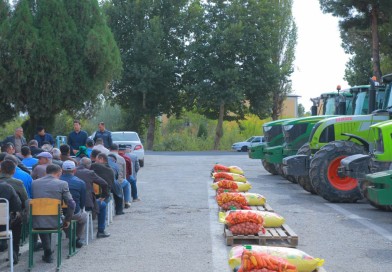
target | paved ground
[{"x": 175, "y": 226}]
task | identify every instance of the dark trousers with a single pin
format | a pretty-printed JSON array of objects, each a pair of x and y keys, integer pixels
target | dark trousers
[
  {"x": 16, "y": 234},
  {"x": 118, "y": 203},
  {"x": 46, "y": 239}
]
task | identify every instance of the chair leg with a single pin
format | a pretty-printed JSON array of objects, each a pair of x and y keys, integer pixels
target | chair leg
[
  {"x": 59, "y": 234},
  {"x": 31, "y": 251},
  {"x": 11, "y": 252},
  {"x": 88, "y": 227},
  {"x": 91, "y": 226}
]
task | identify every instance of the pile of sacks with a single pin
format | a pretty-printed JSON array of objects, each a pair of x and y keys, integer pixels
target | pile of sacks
[{"x": 235, "y": 203}]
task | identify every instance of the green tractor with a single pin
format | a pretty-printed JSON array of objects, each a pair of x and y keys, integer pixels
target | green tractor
[
  {"x": 333, "y": 139},
  {"x": 272, "y": 150},
  {"x": 296, "y": 131},
  {"x": 373, "y": 171}
]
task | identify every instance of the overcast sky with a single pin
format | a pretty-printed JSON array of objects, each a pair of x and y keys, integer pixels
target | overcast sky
[{"x": 320, "y": 59}]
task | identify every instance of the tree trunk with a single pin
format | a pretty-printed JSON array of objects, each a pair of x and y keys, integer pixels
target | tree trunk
[
  {"x": 376, "y": 44},
  {"x": 30, "y": 125},
  {"x": 151, "y": 133},
  {"x": 219, "y": 126},
  {"x": 277, "y": 105}
]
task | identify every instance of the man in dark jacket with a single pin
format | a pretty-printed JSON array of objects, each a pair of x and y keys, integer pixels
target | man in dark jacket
[
  {"x": 103, "y": 134},
  {"x": 50, "y": 186},
  {"x": 17, "y": 140},
  {"x": 35, "y": 150},
  {"x": 7, "y": 171},
  {"x": 92, "y": 204},
  {"x": 15, "y": 208},
  {"x": 42, "y": 136},
  {"x": 77, "y": 188}
]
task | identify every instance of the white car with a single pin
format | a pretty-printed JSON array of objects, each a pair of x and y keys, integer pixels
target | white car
[
  {"x": 130, "y": 138},
  {"x": 244, "y": 146}
]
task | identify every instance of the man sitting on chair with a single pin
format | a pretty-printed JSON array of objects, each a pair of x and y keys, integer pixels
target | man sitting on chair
[
  {"x": 50, "y": 186},
  {"x": 77, "y": 188}
]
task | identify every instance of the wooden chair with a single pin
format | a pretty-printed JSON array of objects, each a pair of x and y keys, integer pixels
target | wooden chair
[
  {"x": 7, "y": 234},
  {"x": 45, "y": 207}
]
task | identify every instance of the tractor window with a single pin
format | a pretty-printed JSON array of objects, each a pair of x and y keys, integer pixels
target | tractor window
[
  {"x": 328, "y": 134},
  {"x": 380, "y": 96},
  {"x": 349, "y": 105},
  {"x": 330, "y": 106},
  {"x": 362, "y": 104}
]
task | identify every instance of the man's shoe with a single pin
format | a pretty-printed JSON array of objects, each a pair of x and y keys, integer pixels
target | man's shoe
[
  {"x": 127, "y": 205},
  {"x": 136, "y": 200},
  {"x": 16, "y": 257},
  {"x": 120, "y": 213},
  {"x": 103, "y": 234},
  {"x": 47, "y": 258},
  {"x": 79, "y": 243},
  {"x": 37, "y": 246}
]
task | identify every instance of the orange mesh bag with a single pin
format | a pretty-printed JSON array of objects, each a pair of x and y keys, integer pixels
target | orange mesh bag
[
  {"x": 227, "y": 184},
  {"x": 252, "y": 261},
  {"x": 245, "y": 223},
  {"x": 221, "y": 168},
  {"x": 230, "y": 176},
  {"x": 237, "y": 217},
  {"x": 229, "y": 201}
]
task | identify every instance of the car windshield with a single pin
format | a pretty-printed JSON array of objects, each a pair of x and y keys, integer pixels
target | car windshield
[
  {"x": 250, "y": 139},
  {"x": 125, "y": 136}
]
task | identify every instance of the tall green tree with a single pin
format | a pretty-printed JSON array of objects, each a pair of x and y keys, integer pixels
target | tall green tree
[
  {"x": 62, "y": 55},
  {"x": 7, "y": 109},
  {"x": 149, "y": 35},
  {"x": 282, "y": 41},
  {"x": 362, "y": 15},
  {"x": 236, "y": 59}
]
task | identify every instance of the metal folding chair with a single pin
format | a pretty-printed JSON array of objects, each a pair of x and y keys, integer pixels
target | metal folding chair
[{"x": 7, "y": 234}]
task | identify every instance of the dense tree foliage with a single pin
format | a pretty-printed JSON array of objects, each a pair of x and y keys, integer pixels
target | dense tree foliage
[
  {"x": 59, "y": 55},
  {"x": 240, "y": 55},
  {"x": 361, "y": 22},
  {"x": 149, "y": 34}
]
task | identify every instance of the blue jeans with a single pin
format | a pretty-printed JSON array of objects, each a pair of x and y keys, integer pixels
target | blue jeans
[
  {"x": 126, "y": 190},
  {"x": 101, "y": 215},
  {"x": 132, "y": 181}
]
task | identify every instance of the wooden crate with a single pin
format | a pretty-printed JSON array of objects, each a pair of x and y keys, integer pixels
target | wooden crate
[{"x": 283, "y": 236}]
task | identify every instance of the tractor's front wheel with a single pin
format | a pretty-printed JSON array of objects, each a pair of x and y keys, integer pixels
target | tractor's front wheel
[
  {"x": 269, "y": 167},
  {"x": 324, "y": 172}
]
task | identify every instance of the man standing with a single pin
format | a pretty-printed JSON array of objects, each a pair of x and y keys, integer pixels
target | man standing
[
  {"x": 77, "y": 188},
  {"x": 77, "y": 137},
  {"x": 17, "y": 140},
  {"x": 43, "y": 136},
  {"x": 92, "y": 204},
  {"x": 50, "y": 186},
  {"x": 104, "y": 134}
]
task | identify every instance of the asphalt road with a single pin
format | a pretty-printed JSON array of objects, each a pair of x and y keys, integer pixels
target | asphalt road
[{"x": 175, "y": 226}]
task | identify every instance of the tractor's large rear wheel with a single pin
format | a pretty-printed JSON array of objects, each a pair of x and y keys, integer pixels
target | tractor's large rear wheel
[
  {"x": 324, "y": 172},
  {"x": 304, "y": 181},
  {"x": 269, "y": 167}
]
